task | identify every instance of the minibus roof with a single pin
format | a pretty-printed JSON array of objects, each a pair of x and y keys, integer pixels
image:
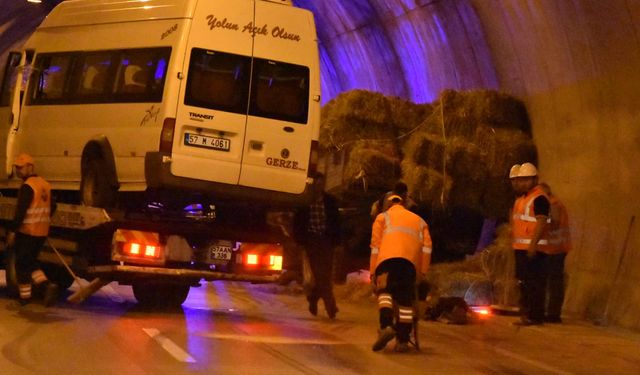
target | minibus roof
[{"x": 94, "y": 12}]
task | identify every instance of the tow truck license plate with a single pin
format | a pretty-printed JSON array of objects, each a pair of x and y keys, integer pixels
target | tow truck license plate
[
  {"x": 220, "y": 252},
  {"x": 197, "y": 140}
]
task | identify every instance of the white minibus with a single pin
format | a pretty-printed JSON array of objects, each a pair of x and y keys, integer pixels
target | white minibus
[{"x": 216, "y": 97}]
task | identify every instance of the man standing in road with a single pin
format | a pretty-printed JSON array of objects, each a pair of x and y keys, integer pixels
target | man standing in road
[
  {"x": 400, "y": 248},
  {"x": 31, "y": 226},
  {"x": 560, "y": 238},
  {"x": 531, "y": 243},
  {"x": 317, "y": 228}
]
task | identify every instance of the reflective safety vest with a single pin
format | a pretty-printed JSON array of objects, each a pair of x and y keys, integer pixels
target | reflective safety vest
[
  {"x": 36, "y": 221},
  {"x": 399, "y": 233},
  {"x": 523, "y": 222},
  {"x": 559, "y": 233}
]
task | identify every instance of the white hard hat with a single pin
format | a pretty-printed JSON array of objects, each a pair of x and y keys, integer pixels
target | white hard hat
[
  {"x": 394, "y": 198},
  {"x": 527, "y": 170},
  {"x": 513, "y": 172}
]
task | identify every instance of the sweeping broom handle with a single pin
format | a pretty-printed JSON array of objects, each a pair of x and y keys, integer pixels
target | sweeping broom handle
[{"x": 62, "y": 259}]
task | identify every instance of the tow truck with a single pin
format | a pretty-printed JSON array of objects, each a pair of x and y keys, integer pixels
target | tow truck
[{"x": 160, "y": 254}]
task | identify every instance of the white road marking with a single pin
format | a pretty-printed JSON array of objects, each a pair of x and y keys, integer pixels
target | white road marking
[
  {"x": 168, "y": 345},
  {"x": 532, "y": 362},
  {"x": 273, "y": 339}
]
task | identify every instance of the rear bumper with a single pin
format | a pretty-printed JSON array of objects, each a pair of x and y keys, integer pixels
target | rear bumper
[
  {"x": 128, "y": 274},
  {"x": 158, "y": 176}
]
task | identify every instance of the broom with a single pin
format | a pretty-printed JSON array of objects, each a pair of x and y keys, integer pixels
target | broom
[{"x": 84, "y": 291}]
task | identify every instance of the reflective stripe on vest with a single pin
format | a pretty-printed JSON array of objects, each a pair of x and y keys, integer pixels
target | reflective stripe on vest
[
  {"x": 37, "y": 218},
  {"x": 388, "y": 228},
  {"x": 524, "y": 223}
]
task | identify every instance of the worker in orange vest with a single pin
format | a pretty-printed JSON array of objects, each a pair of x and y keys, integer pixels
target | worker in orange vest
[
  {"x": 561, "y": 239},
  {"x": 31, "y": 226},
  {"x": 530, "y": 236},
  {"x": 400, "y": 256}
]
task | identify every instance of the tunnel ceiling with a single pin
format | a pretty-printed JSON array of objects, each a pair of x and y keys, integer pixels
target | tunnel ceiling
[{"x": 407, "y": 48}]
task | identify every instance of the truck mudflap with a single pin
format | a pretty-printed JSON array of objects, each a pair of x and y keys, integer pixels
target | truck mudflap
[{"x": 127, "y": 272}]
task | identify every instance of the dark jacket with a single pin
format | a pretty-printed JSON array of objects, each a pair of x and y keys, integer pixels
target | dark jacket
[{"x": 301, "y": 222}]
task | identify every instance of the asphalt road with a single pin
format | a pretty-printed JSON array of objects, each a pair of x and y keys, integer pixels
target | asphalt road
[{"x": 238, "y": 328}]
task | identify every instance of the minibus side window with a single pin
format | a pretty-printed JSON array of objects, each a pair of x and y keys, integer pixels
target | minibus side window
[
  {"x": 280, "y": 91},
  {"x": 94, "y": 76},
  {"x": 218, "y": 80},
  {"x": 9, "y": 78},
  {"x": 50, "y": 77},
  {"x": 141, "y": 74}
]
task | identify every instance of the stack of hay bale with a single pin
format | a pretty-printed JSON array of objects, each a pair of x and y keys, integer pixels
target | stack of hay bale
[
  {"x": 454, "y": 154},
  {"x": 462, "y": 152}
]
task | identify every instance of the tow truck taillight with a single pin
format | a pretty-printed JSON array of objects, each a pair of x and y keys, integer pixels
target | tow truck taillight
[
  {"x": 136, "y": 246},
  {"x": 166, "y": 136},
  {"x": 264, "y": 257},
  {"x": 144, "y": 250}
]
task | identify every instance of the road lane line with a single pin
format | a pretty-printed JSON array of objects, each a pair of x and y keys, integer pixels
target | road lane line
[{"x": 168, "y": 345}]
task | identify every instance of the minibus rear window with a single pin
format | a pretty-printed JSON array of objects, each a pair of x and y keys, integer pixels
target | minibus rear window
[
  {"x": 280, "y": 91},
  {"x": 218, "y": 80}
]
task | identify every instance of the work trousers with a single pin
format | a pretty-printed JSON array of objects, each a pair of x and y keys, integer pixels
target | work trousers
[
  {"x": 319, "y": 250},
  {"x": 27, "y": 265},
  {"x": 555, "y": 284},
  {"x": 532, "y": 275},
  {"x": 400, "y": 284}
]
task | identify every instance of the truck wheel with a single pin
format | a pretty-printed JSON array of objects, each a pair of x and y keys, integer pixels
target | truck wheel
[
  {"x": 95, "y": 189},
  {"x": 58, "y": 275},
  {"x": 161, "y": 296},
  {"x": 10, "y": 271}
]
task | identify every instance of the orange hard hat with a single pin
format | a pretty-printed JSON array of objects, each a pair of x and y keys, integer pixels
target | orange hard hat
[{"x": 23, "y": 159}]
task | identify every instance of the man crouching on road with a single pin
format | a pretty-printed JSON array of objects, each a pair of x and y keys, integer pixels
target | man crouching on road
[
  {"x": 31, "y": 224},
  {"x": 400, "y": 245}
]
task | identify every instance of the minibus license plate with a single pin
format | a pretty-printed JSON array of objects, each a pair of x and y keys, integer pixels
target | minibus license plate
[
  {"x": 220, "y": 252},
  {"x": 197, "y": 140}
]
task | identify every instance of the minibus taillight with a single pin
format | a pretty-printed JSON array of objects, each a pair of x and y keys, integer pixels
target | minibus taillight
[
  {"x": 313, "y": 159},
  {"x": 166, "y": 137}
]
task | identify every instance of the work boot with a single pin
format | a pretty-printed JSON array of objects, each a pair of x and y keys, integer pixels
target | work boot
[
  {"x": 51, "y": 294},
  {"x": 332, "y": 310},
  {"x": 313, "y": 306},
  {"x": 402, "y": 347},
  {"x": 384, "y": 336}
]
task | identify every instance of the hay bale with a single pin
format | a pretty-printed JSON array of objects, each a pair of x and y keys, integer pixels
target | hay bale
[
  {"x": 425, "y": 184},
  {"x": 407, "y": 116},
  {"x": 499, "y": 265},
  {"x": 376, "y": 169},
  {"x": 424, "y": 149},
  {"x": 356, "y": 115},
  {"x": 464, "y": 111}
]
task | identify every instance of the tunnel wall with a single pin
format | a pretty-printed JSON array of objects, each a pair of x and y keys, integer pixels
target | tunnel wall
[{"x": 575, "y": 65}]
